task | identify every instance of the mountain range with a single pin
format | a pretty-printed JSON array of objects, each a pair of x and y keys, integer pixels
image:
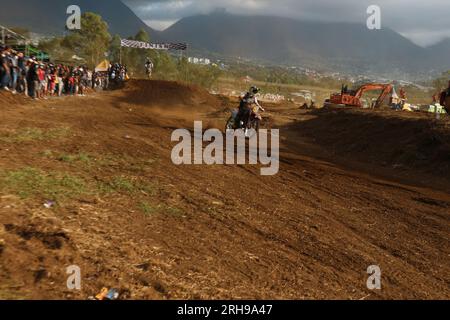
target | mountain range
[
  {"x": 49, "y": 16},
  {"x": 341, "y": 47}
]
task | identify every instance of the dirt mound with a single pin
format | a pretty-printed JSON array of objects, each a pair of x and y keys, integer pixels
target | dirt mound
[
  {"x": 169, "y": 93},
  {"x": 7, "y": 98},
  {"x": 415, "y": 141}
]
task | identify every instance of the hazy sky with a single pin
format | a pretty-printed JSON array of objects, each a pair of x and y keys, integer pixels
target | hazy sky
[{"x": 423, "y": 21}]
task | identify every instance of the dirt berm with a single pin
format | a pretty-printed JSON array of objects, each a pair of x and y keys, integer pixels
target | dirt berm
[
  {"x": 168, "y": 94},
  {"x": 405, "y": 141}
]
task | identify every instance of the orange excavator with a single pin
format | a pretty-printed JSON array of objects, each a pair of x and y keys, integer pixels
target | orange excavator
[{"x": 352, "y": 98}]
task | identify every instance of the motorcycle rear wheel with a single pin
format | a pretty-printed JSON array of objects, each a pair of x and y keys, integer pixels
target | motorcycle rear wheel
[{"x": 231, "y": 124}]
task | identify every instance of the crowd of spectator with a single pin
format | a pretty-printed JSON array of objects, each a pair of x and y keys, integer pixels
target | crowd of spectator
[
  {"x": 115, "y": 75},
  {"x": 40, "y": 80}
]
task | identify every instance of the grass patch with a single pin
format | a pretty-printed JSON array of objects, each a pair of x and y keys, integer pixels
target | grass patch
[
  {"x": 172, "y": 211},
  {"x": 47, "y": 154},
  {"x": 80, "y": 157},
  {"x": 147, "y": 208},
  {"x": 127, "y": 185},
  {"x": 30, "y": 182},
  {"x": 34, "y": 134},
  {"x": 109, "y": 160},
  {"x": 123, "y": 184},
  {"x": 140, "y": 166},
  {"x": 126, "y": 163}
]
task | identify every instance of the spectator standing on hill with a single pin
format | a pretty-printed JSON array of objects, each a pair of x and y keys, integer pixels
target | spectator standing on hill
[
  {"x": 5, "y": 71},
  {"x": 32, "y": 79},
  {"x": 22, "y": 82},
  {"x": 83, "y": 81},
  {"x": 71, "y": 84},
  {"x": 403, "y": 97},
  {"x": 42, "y": 82},
  {"x": 14, "y": 72},
  {"x": 94, "y": 80},
  {"x": 60, "y": 74},
  {"x": 39, "y": 79},
  {"x": 2, "y": 58},
  {"x": 52, "y": 79},
  {"x": 445, "y": 99}
]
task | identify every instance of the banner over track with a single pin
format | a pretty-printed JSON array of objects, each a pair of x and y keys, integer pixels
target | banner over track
[{"x": 154, "y": 46}]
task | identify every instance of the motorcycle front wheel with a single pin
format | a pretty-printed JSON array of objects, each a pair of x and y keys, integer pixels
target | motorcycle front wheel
[
  {"x": 252, "y": 129},
  {"x": 255, "y": 124},
  {"x": 230, "y": 124}
]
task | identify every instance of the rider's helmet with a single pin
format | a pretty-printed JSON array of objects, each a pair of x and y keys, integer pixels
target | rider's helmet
[{"x": 254, "y": 90}]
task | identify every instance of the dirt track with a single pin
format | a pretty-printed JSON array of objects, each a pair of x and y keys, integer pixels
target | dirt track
[{"x": 158, "y": 231}]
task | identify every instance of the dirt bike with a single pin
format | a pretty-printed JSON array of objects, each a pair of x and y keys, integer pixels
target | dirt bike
[
  {"x": 148, "y": 72},
  {"x": 254, "y": 123}
]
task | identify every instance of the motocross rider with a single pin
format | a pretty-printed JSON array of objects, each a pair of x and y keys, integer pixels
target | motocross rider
[
  {"x": 149, "y": 66},
  {"x": 246, "y": 106}
]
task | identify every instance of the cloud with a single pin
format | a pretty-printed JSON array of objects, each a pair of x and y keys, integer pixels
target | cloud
[
  {"x": 160, "y": 24},
  {"x": 424, "y": 22}
]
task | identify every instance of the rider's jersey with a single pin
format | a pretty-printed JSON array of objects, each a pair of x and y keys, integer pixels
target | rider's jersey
[
  {"x": 257, "y": 106},
  {"x": 249, "y": 101}
]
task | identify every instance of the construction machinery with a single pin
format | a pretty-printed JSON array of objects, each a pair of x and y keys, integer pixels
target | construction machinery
[{"x": 353, "y": 98}]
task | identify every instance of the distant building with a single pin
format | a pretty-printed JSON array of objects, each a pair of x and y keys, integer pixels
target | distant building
[{"x": 201, "y": 61}]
